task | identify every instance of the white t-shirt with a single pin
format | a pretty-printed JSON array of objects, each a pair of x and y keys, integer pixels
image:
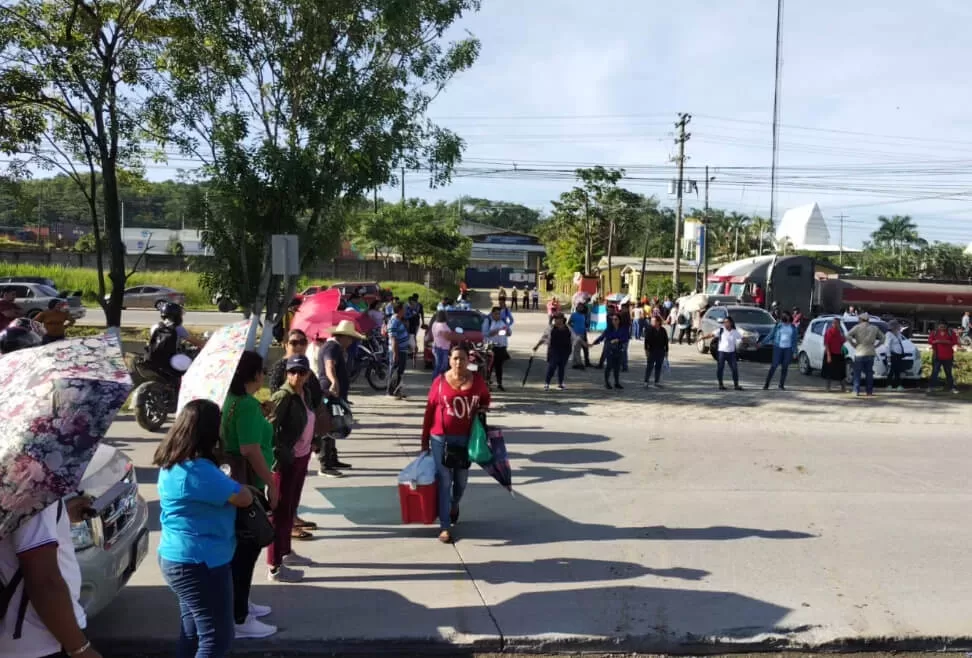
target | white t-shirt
[
  {"x": 44, "y": 528},
  {"x": 499, "y": 340},
  {"x": 729, "y": 339}
]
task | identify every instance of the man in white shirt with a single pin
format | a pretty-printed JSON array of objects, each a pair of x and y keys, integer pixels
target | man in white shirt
[
  {"x": 496, "y": 332},
  {"x": 42, "y": 616}
]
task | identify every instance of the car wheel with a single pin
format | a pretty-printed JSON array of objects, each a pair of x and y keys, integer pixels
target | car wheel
[
  {"x": 804, "y": 362},
  {"x": 702, "y": 346}
]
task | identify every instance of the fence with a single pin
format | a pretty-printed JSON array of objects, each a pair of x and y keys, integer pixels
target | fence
[{"x": 347, "y": 269}]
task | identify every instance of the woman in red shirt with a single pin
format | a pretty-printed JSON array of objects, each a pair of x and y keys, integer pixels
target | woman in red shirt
[
  {"x": 454, "y": 399},
  {"x": 833, "y": 367}
]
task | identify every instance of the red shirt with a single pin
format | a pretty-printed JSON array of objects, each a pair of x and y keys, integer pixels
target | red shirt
[
  {"x": 834, "y": 340},
  {"x": 450, "y": 412},
  {"x": 942, "y": 343}
]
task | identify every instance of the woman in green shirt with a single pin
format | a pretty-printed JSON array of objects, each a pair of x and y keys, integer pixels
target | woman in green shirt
[{"x": 248, "y": 435}]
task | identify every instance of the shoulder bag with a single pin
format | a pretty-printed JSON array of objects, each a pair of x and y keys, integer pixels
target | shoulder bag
[
  {"x": 454, "y": 456},
  {"x": 253, "y": 523}
]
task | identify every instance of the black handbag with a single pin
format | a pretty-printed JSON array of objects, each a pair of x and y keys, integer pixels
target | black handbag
[
  {"x": 456, "y": 456},
  {"x": 253, "y": 523}
]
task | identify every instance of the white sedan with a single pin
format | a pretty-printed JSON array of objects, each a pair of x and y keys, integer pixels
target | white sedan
[{"x": 811, "y": 351}]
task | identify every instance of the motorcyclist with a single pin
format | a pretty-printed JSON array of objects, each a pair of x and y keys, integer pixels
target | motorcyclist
[
  {"x": 774, "y": 310},
  {"x": 172, "y": 316}
]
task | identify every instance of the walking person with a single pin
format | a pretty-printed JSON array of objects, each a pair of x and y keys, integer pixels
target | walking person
[
  {"x": 656, "y": 350},
  {"x": 638, "y": 324},
  {"x": 943, "y": 342},
  {"x": 198, "y": 538},
  {"x": 443, "y": 337},
  {"x": 398, "y": 347},
  {"x": 248, "y": 441},
  {"x": 414, "y": 319},
  {"x": 894, "y": 342},
  {"x": 455, "y": 398},
  {"x": 559, "y": 340},
  {"x": 615, "y": 339},
  {"x": 625, "y": 318},
  {"x": 496, "y": 332},
  {"x": 834, "y": 366},
  {"x": 729, "y": 341},
  {"x": 865, "y": 338},
  {"x": 784, "y": 338},
  {"x": 578, "y": 328}
]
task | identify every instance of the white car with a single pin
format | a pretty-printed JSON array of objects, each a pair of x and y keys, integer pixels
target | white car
[{"x": 811, "y": 351}]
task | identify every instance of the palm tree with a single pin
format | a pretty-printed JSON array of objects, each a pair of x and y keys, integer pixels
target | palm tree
[
  {"x": 737, "y": 223},
  {"x": 761, "y": 233},
  {"x": 897, "y": 232}
]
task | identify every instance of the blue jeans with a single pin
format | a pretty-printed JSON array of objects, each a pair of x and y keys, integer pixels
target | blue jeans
[
  {"x": 441, "y": 361},
  {"x": 733, "y": 367},
  {"x": 451, "y": 481},
  {"x": 206, "y": 605},
  {"x": 556, "y": 363},
  {"x": 938, "y": 364},
  {"x": 782, "y": 357},
  {"x": 865, "y": 365}
]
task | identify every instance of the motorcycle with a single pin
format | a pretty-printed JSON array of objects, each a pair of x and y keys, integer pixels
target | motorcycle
[
  {"x": 156, "y": 389},
  {"x": 481, "y": 359}
]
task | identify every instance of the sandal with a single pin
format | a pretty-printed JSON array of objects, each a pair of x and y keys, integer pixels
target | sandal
[
  {"x": 300, "y": 534},
  {"x": 445, "y": 537},
  {"x": 306, "y": 525}
]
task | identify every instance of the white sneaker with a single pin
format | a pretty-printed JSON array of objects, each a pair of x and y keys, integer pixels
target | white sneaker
[
  {"x": 253, "y": 629},
  {"x": 294, "y": 560},
  {"x": 259, "y": 610},
  {"x": 284, "y": 574}
]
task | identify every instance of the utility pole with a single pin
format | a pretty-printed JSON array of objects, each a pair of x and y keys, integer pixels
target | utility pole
[
  {"x": 680, "y": 139},
  {"x": 403, "y": 185},
  {"x": 704, "y": 242},
  {"x": 587, "y": 237},
  {"x": 841, "y": 217}
]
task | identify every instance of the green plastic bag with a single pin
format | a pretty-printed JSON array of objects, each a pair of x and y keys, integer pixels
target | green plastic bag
[{"x": 479, "y": 451}]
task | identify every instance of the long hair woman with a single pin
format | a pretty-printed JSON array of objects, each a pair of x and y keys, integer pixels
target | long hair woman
[
  {"x": 198, "y": 538},
  {"x": 248, "y": 442},
  {"x": 455, "y": 397}
]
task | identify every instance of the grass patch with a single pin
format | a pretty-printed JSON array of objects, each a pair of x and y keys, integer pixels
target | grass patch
[
  {"x": 961, "y": 370},
  {"x": 86, "y": 280}
]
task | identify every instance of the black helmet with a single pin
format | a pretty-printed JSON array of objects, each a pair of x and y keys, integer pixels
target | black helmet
[
  {"x": 775, "y": 305},
  {"x": 17, "y": 338},
  {"x": 172, "y": 311}
]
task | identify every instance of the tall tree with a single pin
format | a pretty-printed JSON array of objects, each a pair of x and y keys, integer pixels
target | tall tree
[
  {"x": 298, "y": 108},
  {"x": 898, "y": 232},
  {"x": 73, "y": 76},
  {"x": 501, "y": 214}
]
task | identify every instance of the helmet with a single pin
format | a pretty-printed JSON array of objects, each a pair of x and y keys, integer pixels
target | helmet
[
  {"x": 172, "y": 311},
  {"x": 15, "y": 338},
  {"x": 775, "y": 305}
]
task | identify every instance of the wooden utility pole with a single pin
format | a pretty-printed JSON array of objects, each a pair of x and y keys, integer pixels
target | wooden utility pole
[
  {"x": 704, "y": 242},
  {"x": 587, "y": 237},
  {"x": 842, "y": 217},
  {"x": 680, "y": 139}
]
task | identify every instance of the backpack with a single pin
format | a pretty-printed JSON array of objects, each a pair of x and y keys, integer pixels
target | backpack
[
  {"x": 163, "y": 345},
  {"x": 8, "y": 589}
]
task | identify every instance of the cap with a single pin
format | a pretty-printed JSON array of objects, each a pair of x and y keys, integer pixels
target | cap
[{"x": 298, "y": 362}]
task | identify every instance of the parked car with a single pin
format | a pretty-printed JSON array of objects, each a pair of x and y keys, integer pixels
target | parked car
[
  {"x": 753, "y": 323},
  {"x": 368, "y": 291},
  {"x": 43, "y": 280},
  {"x": 36, "y": 297},
  {"x": 811, "y": 351},
  {"x": 111, "y": 545},
  {"x": 471, "y": 323},
  {"x": 151, "y": 297}
]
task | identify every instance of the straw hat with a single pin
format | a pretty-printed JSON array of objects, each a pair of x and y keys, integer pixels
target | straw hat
[{"x": 346, "y": 328}]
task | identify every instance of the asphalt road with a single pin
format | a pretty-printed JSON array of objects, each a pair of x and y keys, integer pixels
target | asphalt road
[
  {"x": 137, "y": 318},
  {"x": 681, "y": 519}
]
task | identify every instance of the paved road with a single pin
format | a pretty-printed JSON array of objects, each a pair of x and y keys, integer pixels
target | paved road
[
  {"x": 95, "y": 317},
  {"x": 647, "y": 521}
]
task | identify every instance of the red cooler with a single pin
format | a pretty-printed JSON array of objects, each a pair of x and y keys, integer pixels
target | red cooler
[{"x": 419, "y": 502}]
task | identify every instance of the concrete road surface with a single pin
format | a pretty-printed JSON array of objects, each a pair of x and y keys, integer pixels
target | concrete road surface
[
  {"x": 138, "y": 318},
  {"x": 677, "y": 519}
]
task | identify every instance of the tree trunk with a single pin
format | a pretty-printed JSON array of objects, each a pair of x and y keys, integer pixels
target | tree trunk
[
  {"x": 112, "y": 210},
  {"x": 610, "y": 248}
]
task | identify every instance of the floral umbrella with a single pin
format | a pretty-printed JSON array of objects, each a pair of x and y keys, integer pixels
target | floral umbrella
[
  {"x": 211, "y": 372},
  {"x": 58, "y": 402}
]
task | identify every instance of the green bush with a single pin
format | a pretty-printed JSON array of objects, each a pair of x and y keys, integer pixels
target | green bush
[{"x": 961, "y": 370}]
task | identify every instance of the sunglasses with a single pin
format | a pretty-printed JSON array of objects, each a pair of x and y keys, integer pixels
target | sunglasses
[{"x": 298, "y": 341}]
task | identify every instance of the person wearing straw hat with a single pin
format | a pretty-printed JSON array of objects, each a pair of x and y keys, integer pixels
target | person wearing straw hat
[{"x": 336, "y": 382}]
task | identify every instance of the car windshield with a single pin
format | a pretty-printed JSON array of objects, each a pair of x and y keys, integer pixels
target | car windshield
[
  {"x": 714, "y": 288},
  {"x": 46, "y": 291},
  {"x": 467, "y": 321},
  {"x": 880, "y": 324},
  {"x": 751, "y": 316}
]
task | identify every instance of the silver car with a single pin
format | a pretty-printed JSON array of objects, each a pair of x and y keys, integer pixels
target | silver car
[
  {"x": 112, "y": 545},
  {"x": 151, "y": 297},
  {"x": 36, "y": 297}
]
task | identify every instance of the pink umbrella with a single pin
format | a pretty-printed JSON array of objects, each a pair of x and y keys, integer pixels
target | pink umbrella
[{"x": 319, "y": 314}]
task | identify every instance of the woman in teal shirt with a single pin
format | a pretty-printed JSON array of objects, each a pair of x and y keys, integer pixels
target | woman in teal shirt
[{"x": 198, "y": 540}]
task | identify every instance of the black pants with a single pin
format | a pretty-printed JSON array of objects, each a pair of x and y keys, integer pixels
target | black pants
[
  {"x": 894, "y": 377},
  {"x": 556, "y": 363},
  {"x": 396, "y": 373},
  {"x": 243, "y": 565},
  {"x": 656, "y": 358},
  {"x": 329, "y": 453},
  {"x": 513, "y": 305},
  {"x": 613, "y": 360},
  {"x": 500, "y": 356}
]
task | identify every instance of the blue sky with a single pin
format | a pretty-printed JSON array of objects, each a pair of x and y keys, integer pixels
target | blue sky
[{"x": 875, "y": 103}]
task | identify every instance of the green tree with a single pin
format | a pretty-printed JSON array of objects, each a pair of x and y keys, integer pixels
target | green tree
[
  {"x": 72, "y": 84},
  {"x": 86, "y": 244},
  {"x": 501, "y": 214},
  {"x": 900, "y": 234},
  {"x": 299, "y": 108}
]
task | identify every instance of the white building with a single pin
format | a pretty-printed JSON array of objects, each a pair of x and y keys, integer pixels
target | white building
[
  {"x": 160, "y": 241},
  {"x": 806, "y": 229}
]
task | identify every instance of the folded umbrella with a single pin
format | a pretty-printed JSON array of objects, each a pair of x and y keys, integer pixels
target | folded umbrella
[
  {"x": 499, "y": 465},
  {"x": 58, "y": 402},
  {"x": 209, "y": 376},
  {"x": 526, "y": 374}
]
